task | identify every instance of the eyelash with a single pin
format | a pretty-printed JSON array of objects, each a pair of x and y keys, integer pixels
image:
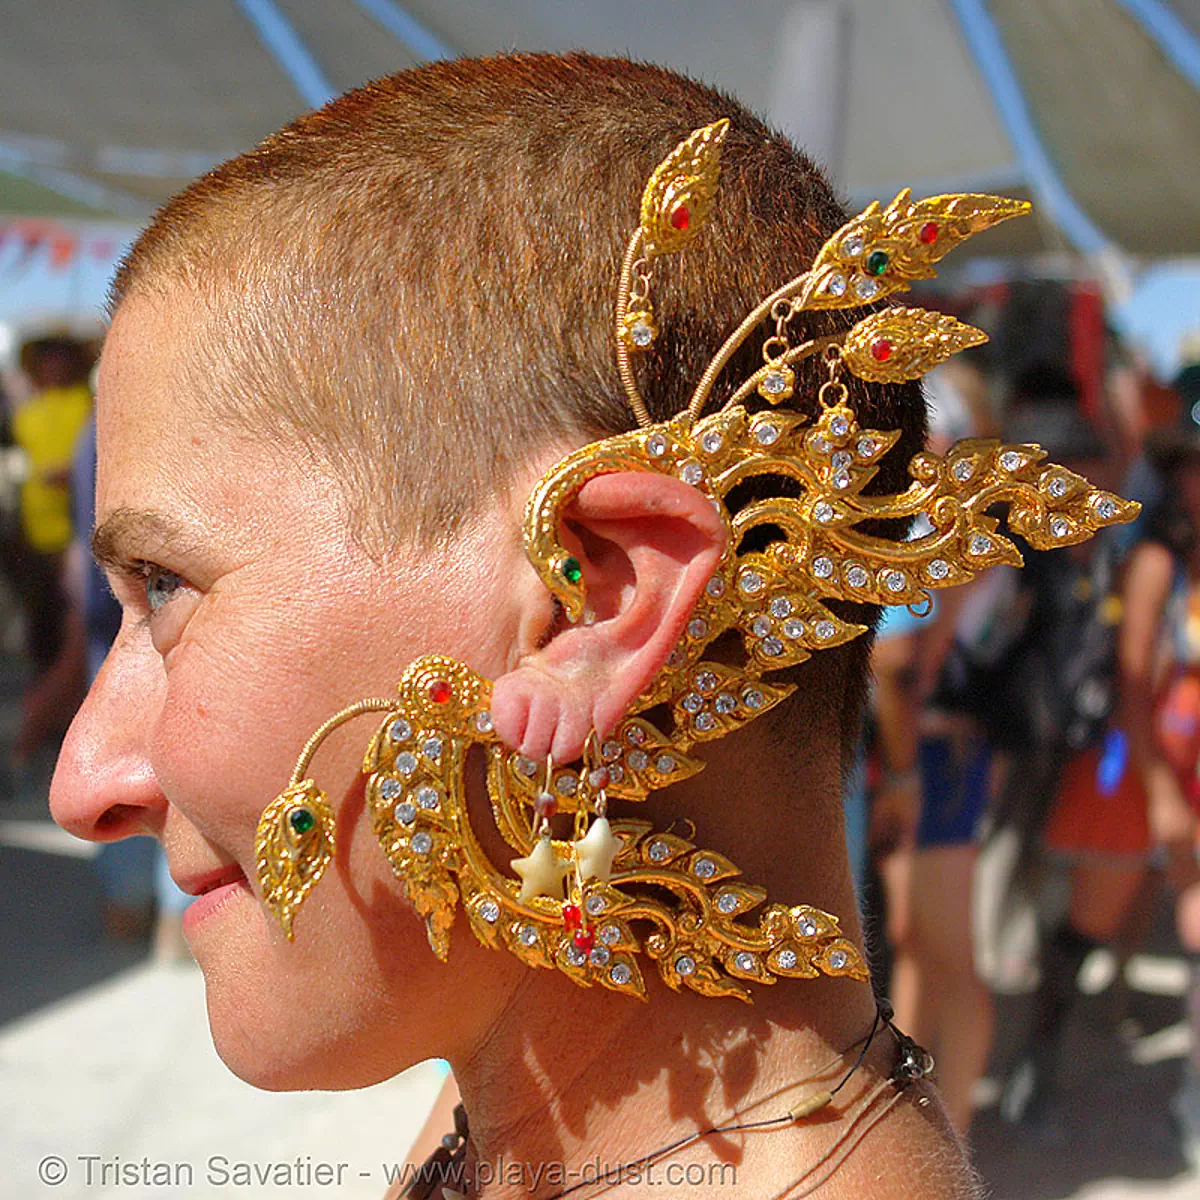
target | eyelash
[{"x": 150, "y": 574}]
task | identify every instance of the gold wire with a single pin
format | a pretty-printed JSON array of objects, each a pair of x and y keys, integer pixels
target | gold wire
[
  {"x": 347, "y": 714},
  {"x": 624, "y": 365}
]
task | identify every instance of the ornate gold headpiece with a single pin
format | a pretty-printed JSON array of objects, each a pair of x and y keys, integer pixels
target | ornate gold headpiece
[{"x": 616, "y": 874}]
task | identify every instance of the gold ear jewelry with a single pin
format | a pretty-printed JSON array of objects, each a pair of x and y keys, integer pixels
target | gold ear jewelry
[{"x": 591, "y": 904}]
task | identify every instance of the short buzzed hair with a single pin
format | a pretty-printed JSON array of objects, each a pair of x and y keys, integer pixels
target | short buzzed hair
[{"x": 417, "y": 281}]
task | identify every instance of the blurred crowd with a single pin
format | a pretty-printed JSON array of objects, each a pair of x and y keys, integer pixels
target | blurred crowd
[{"x": 1043, "y": 720}]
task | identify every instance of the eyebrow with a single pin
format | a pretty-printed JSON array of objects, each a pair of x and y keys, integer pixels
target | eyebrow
[{"x": 125, "y": 530}]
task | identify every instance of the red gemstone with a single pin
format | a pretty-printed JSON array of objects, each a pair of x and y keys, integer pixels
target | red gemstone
[
  {"x": 584, "y": 940},
  {"x": 572, "y": 917},
  {"x": 928, "y": 233},
  {"x": 545, "y": 805},
  {"x": 599, "y": 779},
  {"x": 881, "y": 349},
  {"x": 680, "y": 217},
  {"x": 440, "y": 691}
]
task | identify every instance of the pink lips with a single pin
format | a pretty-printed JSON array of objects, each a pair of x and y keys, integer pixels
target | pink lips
[{"x": 212, "y": 892}]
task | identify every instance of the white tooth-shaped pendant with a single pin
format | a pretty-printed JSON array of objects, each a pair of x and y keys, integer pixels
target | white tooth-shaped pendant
[{"x": 595, "y": 851}]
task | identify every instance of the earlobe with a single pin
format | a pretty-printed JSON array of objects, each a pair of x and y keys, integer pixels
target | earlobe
[{"x": 647, "y": 545}]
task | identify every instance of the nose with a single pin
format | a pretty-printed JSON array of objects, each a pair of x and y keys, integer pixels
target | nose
[{"x": 104, "y": 786}]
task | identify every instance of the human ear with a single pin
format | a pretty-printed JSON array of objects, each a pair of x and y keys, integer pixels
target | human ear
[{"x": 647, "y": 544}]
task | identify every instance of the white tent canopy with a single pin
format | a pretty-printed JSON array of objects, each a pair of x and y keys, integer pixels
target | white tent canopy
[{"x": 1087, "y": 106}]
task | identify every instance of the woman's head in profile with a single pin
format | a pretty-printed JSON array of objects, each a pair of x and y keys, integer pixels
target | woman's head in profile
[{"x": 337, "y": 366}]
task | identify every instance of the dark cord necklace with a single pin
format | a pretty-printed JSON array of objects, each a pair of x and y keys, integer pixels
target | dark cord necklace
[{"x": 446, "y": 1167}]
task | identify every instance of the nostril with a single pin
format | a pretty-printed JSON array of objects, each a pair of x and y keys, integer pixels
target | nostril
[{"x": 117, "y": 819}]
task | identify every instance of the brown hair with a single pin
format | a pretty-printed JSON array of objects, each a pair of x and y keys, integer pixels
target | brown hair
[{"x": 417, "y": 281}]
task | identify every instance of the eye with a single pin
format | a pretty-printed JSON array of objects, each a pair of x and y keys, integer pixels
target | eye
[{"x": 161, "y": 585}]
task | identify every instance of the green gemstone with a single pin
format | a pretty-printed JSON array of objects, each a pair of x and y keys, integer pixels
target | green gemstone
[
  {"x": 572, "y": 570},
  {"x": 302, "y": 820},
  {"x": 877, "y": 262}
]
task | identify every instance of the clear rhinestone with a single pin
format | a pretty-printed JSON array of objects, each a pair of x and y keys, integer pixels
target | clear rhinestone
[
  {"x": 483, "y": 722},
  {"x": 599, "y": 956},
  {"x": 836, "y": 285},
  {"x": 426, "y": 796},
  {"x": 807, "y": 927},
  {"x": 656, "y": 445},
  {"x": 980, "y": 544},
  {"x": 1059, "y": 527},
  {"x": 489, "y": 910},
  {"x": 527, "y": 935},
  {"x": 706, "y": 681},
  {"x": 840, "y": 461},
  {"x": 725, "y": 704},
  {"x": 781, "y": 607},
  {"x": 422, "y": 843},
  {"x": 610, "y": 935},
  {"x": 753, "y": 699},
  {"x": 867, "y": 447},
  {"x": 837, "y": 959},
  {"x": 841, "y": 480},
  {"x": 659, "y": 851},
  {"x": 825, "y": 630},
  {"x": 823, "y": 511},
  {"x": 938, "y": 568},
  {"x": 774, "y": 383},
  {"x": 852, "y": 247},
  {"x": 406, "y": 763},
  {"x": 766, "y": 433},
  {"x": 963, "y": 469},
  {"x": 712, "y": 441},
  {"x": 857, "y": 576},
  {"x": 400, "y": 731},
  {"x": 635, "y": 735},
  {"x": 641, "y": 334},
  {"x": 745, "y": 961},
  {"x": 704, "y": 721},
  {"x": 616, "y": 773},
  {"x": 1058, "y": 487},
  {"x": 389, "y": 789},
  {"x": 1010, "y": 460},
  {"x": 697, "y": 627},
  {"x": 433, "y": 748},
  {"x": 1106, "y": 509},
  {"x": 761, "y": 626},
  {"x": 727, "y": 902},
  {"x": 566, "y": 784},
  {"x": 676, "y": 657},
  {"x": 526, "y": 766},
  {"x": 610, "y": 751},
  {"x": 620, "y": 974},
  {"x": 866, "y": 287},
  {"x": 685, "y": 964},
  {"x": 637, "y": 760},
  {"x": 793, "y": 628},
  {"x": 692, "y": 473},
  {"x": 896, "y": 581},
  {"x": 786, "y": 959},
  {"x": 715, "y": 587},
  {"x": 664, "y": 764},
  {"x": 822, "y": 567},
  {"x": 820, "y": 445},
  {"x": 575, "y": 956},
  {"x": 406, "y": 814},
  {"x": 772, "y": 647},
  {"x": 705, "y": 868},
  {"x": 693, "y": 702},
  {"x": 596, "y": 905}
]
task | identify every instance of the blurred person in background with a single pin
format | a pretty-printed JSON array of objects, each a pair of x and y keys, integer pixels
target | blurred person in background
[
  {"x": 1129, "y": 801},
  {"x": 933, "y": 787},
  {"x": 46, "y": 427}
]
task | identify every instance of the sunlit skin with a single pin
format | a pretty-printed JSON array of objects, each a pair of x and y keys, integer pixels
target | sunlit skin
[{"x": 250, "y": 615}]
